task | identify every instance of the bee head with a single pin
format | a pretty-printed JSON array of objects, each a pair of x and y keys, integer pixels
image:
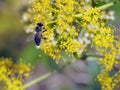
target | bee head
[
  {"x": 40, "y": 24},
  {"x": 38, "y": 27}
]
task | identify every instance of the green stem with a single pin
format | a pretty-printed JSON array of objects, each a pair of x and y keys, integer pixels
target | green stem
[
  {"x": 105, "y": 6},
  {"x": 51, "y": 22},
  {"x": 108, "y": 5},
  {"x": 78, "y": 15},
  {"x": 36, "y": 80}
]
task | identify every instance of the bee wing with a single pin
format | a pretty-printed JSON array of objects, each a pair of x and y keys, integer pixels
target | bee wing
[{"x": 30, "y": 37}]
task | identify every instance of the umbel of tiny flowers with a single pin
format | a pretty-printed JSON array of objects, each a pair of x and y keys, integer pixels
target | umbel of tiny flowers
[
  {"x": 66, "y": 23},
  {"x": 62, "y": 23},
  {"x": 12, "y": 75},
  {"x": 73, "y": 25}
]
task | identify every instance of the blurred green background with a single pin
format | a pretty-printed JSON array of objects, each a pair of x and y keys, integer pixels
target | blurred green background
[{"x": 13, "y": 45}]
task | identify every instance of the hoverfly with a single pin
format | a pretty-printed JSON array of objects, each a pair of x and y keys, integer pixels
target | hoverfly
[{"x": 37, "y": 34}]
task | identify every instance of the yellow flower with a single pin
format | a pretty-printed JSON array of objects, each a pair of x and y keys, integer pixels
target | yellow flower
[
  {"x": 58, "y": 18},
  {"x": 105, "y": 81},
  {"x": 66, "y": 22},
  {"x": 12, "y": 74}
]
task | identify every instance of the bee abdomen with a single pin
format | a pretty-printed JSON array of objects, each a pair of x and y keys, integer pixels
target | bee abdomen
[{"x": 37, "y": 39}]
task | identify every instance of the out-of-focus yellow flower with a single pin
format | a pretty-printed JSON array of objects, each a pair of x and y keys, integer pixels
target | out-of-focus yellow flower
[
  {"x": 12, "y": 75},
  {"x": 105, "y": 81}
]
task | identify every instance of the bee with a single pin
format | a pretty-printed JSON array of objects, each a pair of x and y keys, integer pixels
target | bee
[{"x": 37, "y": 34}]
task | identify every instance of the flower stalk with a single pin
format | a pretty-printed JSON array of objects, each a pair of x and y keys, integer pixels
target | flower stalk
[
  {"x": 36, "y": 80},
  {"x": 108, "y": 5},
  {"x": 43, "y": 77}
]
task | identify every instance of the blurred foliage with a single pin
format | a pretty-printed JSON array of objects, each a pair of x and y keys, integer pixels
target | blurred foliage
[
  {"x": 9, "y": 16},
  {"x": 117, "y": 12},
  {"x": 34, "y": 56},
  {"x": 10, "y": 29}
]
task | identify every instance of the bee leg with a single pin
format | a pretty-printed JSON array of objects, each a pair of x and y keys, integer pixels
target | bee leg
[
  {"x": 43, "y": 37},
  {"x": 44, "y": 30}
]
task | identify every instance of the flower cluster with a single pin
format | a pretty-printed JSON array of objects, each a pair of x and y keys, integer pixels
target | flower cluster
[
  {"x": 107, "y": 46},
  {"x": 61, "y": 21},
  {"x": 72, "y": 25},
  {"x": 12, "y": 75}
]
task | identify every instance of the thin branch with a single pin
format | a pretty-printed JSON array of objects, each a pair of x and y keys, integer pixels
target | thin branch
[
  {"x": 108, "y": 5},
  {"x": 39, "y": 79}
]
